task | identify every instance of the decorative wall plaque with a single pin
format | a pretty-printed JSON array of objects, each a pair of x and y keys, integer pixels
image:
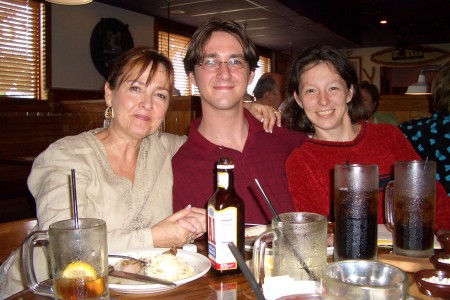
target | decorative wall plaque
[
  {"x": 109, "y": 39},
  {"x": 413, "y": 56}
]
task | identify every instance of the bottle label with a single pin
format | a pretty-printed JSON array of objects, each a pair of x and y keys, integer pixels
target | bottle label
[
  {"x": 222, "y": 179},
  {"x": 222, "y": 229}
]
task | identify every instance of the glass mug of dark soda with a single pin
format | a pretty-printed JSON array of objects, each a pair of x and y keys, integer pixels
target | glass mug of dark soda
[
  {"x": 410, "y": 202},
  {"x": 355, "y": 211},
  {"x": 78, "y": 260}
]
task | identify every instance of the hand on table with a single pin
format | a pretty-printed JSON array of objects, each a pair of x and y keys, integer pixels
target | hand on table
[{"x": 180, "y": 228}]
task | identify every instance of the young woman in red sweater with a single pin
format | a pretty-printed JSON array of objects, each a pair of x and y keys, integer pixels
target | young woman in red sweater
[{"x": 324, "y": 101}]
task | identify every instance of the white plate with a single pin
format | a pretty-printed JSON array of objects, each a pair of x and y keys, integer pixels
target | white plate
[
  {"x": 251, "y": 233},
  {"x": 200, "y": 263}
]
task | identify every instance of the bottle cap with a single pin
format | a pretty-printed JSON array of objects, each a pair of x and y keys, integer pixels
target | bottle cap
[{"x": 190, "y": 247}]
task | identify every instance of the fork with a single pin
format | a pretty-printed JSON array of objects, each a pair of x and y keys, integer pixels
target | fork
[{"x": 143, "y": 262}]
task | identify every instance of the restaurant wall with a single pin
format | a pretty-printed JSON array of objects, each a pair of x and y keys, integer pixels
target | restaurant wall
[
  {"x": 71, "y": 29},
  {"x": 402, "y": 76}
]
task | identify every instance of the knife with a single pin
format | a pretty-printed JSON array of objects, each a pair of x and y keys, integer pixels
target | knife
[{"x": 138, "y": 277}]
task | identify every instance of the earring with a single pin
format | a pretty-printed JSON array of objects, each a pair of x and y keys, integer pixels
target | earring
[
  {"x": 159, "y": 132},
  {"x": 109, "y": 115}
]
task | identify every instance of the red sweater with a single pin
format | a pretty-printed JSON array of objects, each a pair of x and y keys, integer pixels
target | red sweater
[{"x": 310, "y": 168}]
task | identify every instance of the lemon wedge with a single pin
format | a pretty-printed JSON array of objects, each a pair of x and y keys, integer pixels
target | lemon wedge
[
  {"x": 79, "y": 269},
  {"x": 268, "y": 262}
]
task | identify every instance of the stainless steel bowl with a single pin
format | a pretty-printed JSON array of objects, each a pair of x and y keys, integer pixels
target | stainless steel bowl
[{"x": 364, "y": 279}]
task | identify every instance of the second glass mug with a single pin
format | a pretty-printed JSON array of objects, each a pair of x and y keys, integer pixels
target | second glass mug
[
  {"x": 298, "y": 239},
  {"x": 356, "y": 211},
  {"x": 410, "y": 203},
  {"x": 78, "y": 260}
]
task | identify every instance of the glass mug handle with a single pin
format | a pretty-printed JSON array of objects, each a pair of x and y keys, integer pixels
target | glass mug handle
[
  {"x": 28, "y": 263},
  {"x": 389, "y": 205},
  {"x": 259, "y": 251}
]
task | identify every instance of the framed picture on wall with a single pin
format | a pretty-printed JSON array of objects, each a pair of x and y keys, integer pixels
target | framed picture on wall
[
  {"x": 109, "y": 39},
  {"x": 356, "y": 61}
]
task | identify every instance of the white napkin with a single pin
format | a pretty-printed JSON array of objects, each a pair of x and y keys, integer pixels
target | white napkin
[{"x": 279, "y": 286}]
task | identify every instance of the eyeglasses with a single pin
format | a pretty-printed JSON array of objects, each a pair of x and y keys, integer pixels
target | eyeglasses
[{"x": 210, "y": 64}]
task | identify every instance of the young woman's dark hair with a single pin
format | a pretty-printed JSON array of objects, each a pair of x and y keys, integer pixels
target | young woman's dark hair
[
  {"x": 294, "y": 116},
  {"x": 194, "y": 53}
]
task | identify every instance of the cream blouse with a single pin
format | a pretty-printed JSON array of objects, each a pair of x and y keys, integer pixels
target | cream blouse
[{"x": 129, "y": 209}]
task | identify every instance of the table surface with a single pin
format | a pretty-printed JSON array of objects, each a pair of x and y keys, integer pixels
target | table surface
[{"x": 209, "y": 286}]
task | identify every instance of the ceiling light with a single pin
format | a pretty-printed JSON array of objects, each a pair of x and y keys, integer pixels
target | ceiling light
[
  {"x": 383, "y": 21},
  {"x": 70, "y": 2},
  {"x": 420, "y": 87},
  {"x": 177, "y": 12}
]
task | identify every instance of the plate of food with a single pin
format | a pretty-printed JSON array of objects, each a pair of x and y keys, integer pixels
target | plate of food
[
  {"x": 181, "y": 268},
  {"x": 252, "y": 233}
]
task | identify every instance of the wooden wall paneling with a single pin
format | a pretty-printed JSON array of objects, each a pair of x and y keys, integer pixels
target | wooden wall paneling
[
  {"x": 281, "y": 62},
  {"x": 406, "y": 107},
  {"x": 182, "y": 111}
]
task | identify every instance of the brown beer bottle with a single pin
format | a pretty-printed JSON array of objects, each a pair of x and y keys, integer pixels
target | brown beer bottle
[{"x": 226, "y": 218}]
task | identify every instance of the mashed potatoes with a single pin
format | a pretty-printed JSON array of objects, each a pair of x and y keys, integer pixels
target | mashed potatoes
[{"x": 169, "y": 267}]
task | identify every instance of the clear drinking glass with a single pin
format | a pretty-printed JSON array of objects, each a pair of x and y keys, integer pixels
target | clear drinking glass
[
  {"x": 410, "y": 203},
  {"x": 356, "y": 211},
  {"x": 78, "y": 259},
  {"x": 298, "y": 240}
]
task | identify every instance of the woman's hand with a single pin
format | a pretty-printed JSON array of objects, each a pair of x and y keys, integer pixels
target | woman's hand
[
  {"x": 180, "y": 228},
  {"x": 265, "y": 113},
  {"x": 196, "y": 220}
]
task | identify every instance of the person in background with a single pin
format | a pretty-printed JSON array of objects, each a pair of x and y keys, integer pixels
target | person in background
[
  {"x": 431, "y": 136},
  {"x": 269, "y": 89},
  {"x": 123, "y": 171},
  {"x": 221, "y": 61},
  {"x": 371, "y": 98},
  {"x": 323, "y": 101}
]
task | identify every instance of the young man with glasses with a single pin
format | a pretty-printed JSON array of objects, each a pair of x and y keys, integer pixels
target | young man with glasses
[{"x": 221, "y": 61}]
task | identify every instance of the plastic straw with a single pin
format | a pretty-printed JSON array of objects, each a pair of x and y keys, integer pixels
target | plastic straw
[
  {"x": 248, "y": 274},
  {"x": 74, "y": 200},
  {"x": 288, "y": 243},
  {"x": 268, "y": 201}
]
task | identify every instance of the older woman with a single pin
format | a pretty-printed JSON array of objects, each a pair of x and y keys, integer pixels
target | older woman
[
  {"x": 123, "y": 171},
  {"x": 323, "y": 101}
]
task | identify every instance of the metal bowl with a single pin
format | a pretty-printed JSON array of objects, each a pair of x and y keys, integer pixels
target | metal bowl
[{"x": 364, "y": 279}]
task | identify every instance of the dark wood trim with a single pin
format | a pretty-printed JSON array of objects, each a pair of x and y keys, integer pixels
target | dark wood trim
[
  {"x": 186, "y": 103},
  {"x": 83, "y": 106},
  {"x": 24, "y": 105},
  {"x": 65, "y": 94},
  {"x": 404, "y": 103}
]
